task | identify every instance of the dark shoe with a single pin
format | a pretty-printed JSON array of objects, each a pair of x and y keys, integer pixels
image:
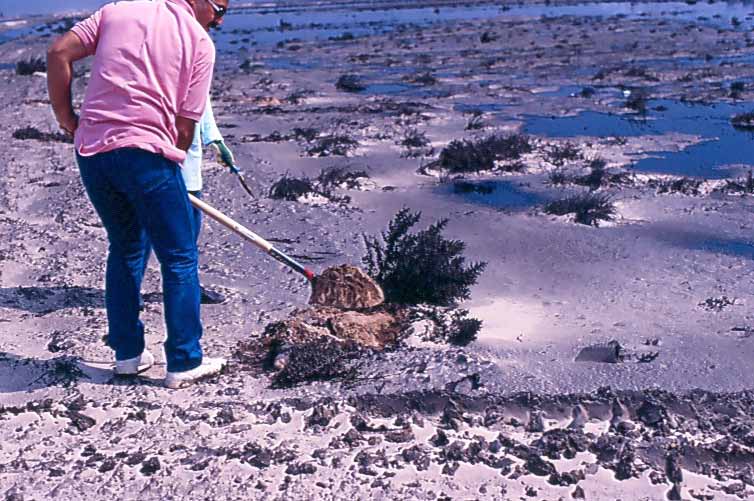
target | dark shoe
[{"x": 211, "y": 297}]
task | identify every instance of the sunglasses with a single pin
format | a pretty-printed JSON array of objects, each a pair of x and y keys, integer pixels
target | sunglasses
[{"x": 219, "y": 10}]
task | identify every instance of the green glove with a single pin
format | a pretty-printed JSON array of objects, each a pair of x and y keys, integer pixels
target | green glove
[{"x": 226, "y": 156}]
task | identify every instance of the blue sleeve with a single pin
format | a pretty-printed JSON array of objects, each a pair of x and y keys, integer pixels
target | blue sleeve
[{"x": 210, "y": 132}]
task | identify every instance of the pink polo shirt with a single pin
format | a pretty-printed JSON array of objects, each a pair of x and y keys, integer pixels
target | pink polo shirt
[{"x": 152, "y": 62}]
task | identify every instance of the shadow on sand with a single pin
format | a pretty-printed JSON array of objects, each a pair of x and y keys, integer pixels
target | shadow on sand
[
  {"x": 43, "y": 300},
  {"x": 19, "y": 373}
]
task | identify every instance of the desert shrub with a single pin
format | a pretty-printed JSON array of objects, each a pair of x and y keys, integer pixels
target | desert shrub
[
  {"x": 336, "y": 177},
  {"x": 736, "y": 88},
  {"x": 487, "y": 37},
  {"x": 741, "y": 186},
  {"x": 558, "y": 176},
  {"x": 333, "y": 145},
  {"x": 305, "y": 133},
  {"x": 450, "y": 325},
  {"x": 473, "y": 156},
  {"x": 596, "y": 177},
  {"x": 684, "y": 185},
  {"x": 26, "y": 133},
  {"x": 425, "y": 78},
  {"x": 296, "y": 97},
  {"x": 290, "y": 188},
  {"x": 587, "y": 208},
  {"x": 349, "y": 83},
  {"x": 638, "y": 100},
  {"x": 638, "y": 72},
  {"x": 464, "y": 330},
  {"x": 421, "y": 267},
  {"x": 476, "y": 122},
  {"x": 344, "y": 37},
  {"x": 743, "y": 121},
  {"x": 559, "y": 154},
  {"x": 413, "y": 138},
  {"x": 31, "y": 66}
]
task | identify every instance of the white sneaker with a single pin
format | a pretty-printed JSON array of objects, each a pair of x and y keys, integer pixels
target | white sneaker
[
  {"x": 209, "y": 367},
  {"x": 134, "y": 365}
]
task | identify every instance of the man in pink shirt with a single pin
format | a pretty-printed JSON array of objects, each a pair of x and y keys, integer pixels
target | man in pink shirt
[{"x": 151, "y": 73}]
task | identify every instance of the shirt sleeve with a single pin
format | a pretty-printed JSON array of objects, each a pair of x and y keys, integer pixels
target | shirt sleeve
[
  {"x": 193, "y": 105},
  {"x": 88, "y": 31},
  {"x": 210, "y": 132}
]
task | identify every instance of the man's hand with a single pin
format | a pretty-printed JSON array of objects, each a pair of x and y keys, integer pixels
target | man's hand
[
  {"x": 70, "y": 123},
  {"x": 226, "y": 156}
]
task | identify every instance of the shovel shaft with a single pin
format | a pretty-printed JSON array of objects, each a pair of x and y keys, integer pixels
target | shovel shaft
[{"x": 250, "y": 236}]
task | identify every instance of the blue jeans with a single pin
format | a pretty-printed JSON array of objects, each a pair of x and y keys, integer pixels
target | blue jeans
[
  {"x": 141, "y": 197},
  {"x": 196, "y": 222}
]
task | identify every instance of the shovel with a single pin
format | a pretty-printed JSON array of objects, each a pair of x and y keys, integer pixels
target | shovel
[{"x": 344, "y": 286}]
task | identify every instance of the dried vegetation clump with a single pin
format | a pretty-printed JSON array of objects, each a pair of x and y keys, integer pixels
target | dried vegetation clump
[
  {"x": 587, "y": 208},
  {"x": 422, "y": 267}
]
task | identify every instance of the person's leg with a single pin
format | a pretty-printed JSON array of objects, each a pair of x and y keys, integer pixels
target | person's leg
[
  {"x": 125, "y": 255},
  {"x": 197, "y": 217},
  {"x": 207, "y": 296},
  {"x": 145, "y": 261},
  {"x": 161, "y": 200}
]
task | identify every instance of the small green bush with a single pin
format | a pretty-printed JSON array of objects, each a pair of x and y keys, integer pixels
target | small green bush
[{"x": 422, "y": 267}]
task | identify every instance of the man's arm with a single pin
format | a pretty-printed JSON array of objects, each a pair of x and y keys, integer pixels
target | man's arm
[
  {"x": 60, "y": 57},
  {"x": 185, "y": 128},
  {"x": 210, "y": 132}
]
